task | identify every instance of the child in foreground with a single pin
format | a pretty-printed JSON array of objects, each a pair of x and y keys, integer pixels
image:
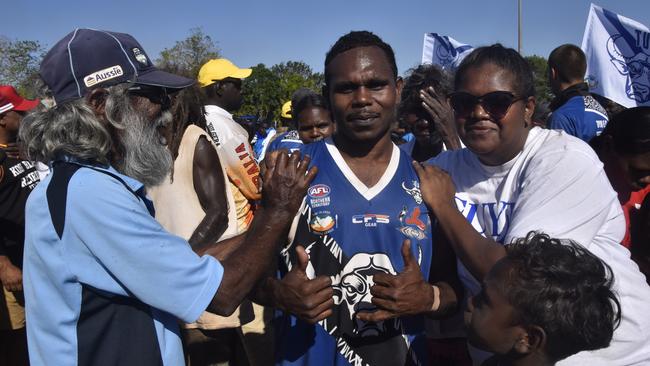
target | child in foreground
[{"x": 546, "y": 300}]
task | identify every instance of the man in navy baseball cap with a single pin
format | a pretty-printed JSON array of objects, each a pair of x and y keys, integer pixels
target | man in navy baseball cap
[{"x": 104, "y": 282}]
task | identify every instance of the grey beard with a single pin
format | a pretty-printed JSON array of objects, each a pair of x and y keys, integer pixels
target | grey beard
[{"x": 146, "y": 158}]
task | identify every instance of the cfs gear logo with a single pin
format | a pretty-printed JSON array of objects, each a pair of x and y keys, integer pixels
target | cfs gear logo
[
  {"x": 319, "y": 195},
  {"x": 322, "y": 222},
  {"x": 414, "y": 192},
  {"x": 103, "y": 75},
  {"x": 370, "y": 220}
]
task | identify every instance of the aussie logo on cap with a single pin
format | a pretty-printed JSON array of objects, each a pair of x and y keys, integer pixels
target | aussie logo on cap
[
  {"x": 103, "y": 75},
  {"x": 140, "y": 56}
]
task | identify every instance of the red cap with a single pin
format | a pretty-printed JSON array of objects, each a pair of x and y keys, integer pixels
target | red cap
[{"x": 9, "y": 99}]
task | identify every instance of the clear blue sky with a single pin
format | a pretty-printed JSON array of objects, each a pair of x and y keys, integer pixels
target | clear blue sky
[{"x": 272, "y": 31}]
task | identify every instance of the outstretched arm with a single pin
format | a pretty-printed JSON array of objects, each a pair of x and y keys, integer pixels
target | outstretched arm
[
  {"x": 286, "y": 180},
  {"x": 476, "y": 252}
]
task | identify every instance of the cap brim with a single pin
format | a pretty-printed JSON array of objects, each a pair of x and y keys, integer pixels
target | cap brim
[
  {"x": 242, "y": 73},
  {"x": 164, "y": 79},
  {"x": 27, "y": 105}
]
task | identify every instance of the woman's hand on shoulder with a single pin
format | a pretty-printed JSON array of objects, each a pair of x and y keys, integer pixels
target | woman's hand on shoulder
[{"x": 436, "y": 186}]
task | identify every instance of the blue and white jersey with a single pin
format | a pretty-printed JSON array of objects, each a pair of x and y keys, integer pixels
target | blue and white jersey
[
  {"x": 352, "y": 232},
  {"x": 581, "y": 116},
  {"x": 287, "y": 140}
]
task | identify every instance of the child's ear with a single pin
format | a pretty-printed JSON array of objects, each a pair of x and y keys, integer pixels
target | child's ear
[{"x": 533, "y": 339}]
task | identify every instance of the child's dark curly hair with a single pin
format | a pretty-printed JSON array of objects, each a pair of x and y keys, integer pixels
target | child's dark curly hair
[{"x": 563, "y": 288}]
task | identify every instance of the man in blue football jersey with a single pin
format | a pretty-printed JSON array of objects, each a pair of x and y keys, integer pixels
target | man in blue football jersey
[
  {"x": 354, "y": 289},
  {"x": 574, "y": 109}
]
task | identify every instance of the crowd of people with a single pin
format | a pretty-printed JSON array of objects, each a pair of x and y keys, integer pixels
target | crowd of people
[{"x": 437, "y": 219}]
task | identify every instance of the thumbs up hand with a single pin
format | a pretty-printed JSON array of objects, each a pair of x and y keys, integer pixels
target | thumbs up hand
[
  {"x": 406, "y": 293},
  {"x": 309, "y": 299}
]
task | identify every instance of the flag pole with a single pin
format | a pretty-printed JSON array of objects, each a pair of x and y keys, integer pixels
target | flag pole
[{"x": 519, "y": 26}]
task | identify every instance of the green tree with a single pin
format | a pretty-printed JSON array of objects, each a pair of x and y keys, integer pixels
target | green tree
[
  {"x": 539, "y": 66},
  {"x": 261, "y": 93},
  {"x": 268, "y": 88},
  {"x": 187, "y": 56},
  {"x": 19, "y": 64}
]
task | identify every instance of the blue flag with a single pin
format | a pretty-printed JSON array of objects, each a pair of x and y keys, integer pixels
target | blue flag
[
  {"x": 443, "y": 51},
  {"x": 618, "y": 57}
]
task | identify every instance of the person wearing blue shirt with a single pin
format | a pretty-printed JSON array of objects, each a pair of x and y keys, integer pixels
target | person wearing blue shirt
[
  {"x": 574, "y": 109},
  {"x": 354, "y": 290},
  {"x": 104, "y": 282}
]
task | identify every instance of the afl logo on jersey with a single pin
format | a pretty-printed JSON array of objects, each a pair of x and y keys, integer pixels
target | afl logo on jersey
[{"x": 319, "y": 191}]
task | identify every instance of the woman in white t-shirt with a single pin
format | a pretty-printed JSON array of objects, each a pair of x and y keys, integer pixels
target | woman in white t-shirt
[{"x": 514, "y": 178}]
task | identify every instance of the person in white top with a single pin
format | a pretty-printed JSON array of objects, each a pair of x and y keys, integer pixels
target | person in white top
[
  {"x": 220, "y": 82},
  {"x": 514, "y": 178}
]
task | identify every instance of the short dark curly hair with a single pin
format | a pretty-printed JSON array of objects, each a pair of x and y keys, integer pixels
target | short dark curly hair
[
  {"x": 563, "y": 288},
  {"x": 419, "y": 78},
  {"x": 505, "y": 58},
  {"x": 308, "y": 100},
  {"x": 356, "y": 39}
]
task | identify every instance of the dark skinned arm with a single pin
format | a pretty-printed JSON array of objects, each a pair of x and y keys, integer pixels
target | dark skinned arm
[
  {"x": 476, "y": 252},
  {"x": 210, "y": 187},
  {"x": 286, "y": 180}
]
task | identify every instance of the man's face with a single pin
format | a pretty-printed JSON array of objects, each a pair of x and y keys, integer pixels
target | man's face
[
  {"x": 314, "y": 124},
  {"x": 363, "y": 92},
  {"x": 231, "y": 93},
  {"x": 10, "y": 121},
  {"x": 489, "y": 318},
  {"x": 145, "y": 117}
]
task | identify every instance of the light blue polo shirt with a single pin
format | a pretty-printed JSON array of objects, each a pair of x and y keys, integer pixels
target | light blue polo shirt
[{"x": 110, "y": 251}]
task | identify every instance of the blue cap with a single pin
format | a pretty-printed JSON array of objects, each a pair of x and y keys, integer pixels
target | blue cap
[{"x": 89, "y": 58}]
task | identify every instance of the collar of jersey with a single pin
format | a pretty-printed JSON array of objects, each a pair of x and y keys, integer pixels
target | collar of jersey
[{"x": 367, "y": 192}]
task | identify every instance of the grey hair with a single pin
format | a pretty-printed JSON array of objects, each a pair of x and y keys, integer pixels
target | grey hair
[{"x": 71, "y": 128}]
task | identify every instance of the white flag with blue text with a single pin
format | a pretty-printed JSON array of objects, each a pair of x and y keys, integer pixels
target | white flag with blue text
[
  {"x": 618, "y": 57},
  {"x": 443, "y": 51}
]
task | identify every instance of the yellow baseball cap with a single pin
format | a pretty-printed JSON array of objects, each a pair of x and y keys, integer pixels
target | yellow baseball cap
[
  {"x": 219, "y": 69},
  {"x": 286, "y": 110}
]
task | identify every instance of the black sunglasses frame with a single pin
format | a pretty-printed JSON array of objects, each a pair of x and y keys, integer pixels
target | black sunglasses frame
[
  {"x": 155, "y": 94},
  {"x": 491, "y": 108}
]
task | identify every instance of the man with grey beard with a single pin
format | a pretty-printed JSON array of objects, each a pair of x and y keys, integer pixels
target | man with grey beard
[{"x": 104, "y": 282}]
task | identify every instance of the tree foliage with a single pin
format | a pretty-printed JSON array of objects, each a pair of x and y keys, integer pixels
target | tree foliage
[
  {"x": 268, "y": 88},
  {"x": 187, "y": 56},
  {"x": 19, "y": 64},
  {"x": 539, "y": 66}
]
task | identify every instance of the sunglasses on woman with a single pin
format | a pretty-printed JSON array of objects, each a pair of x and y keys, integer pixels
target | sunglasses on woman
[{"x": 496, "y": 103}]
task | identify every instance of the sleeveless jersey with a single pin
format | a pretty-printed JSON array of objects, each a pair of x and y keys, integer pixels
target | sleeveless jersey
[{"x": 352, "y": 232}]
